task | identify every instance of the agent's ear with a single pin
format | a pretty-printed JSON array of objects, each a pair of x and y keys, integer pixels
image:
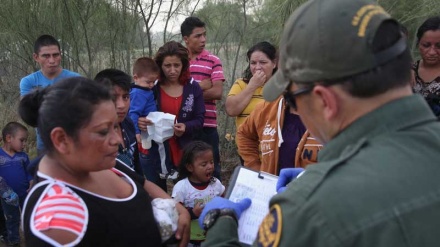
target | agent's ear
[
  {"x": 61, "y": 141},
  {"x": 328, "y": 101}
]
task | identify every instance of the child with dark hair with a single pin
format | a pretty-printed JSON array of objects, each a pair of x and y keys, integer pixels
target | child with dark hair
[
  {"x": 196, "y": 184},
  {"x": 119, "y": 84},
  {"x": 14, "y": 178}
]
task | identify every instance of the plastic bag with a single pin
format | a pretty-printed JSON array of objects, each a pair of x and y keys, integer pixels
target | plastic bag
[{"x": 166, "y": 216}]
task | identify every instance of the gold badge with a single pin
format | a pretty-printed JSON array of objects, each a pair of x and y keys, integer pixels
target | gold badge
[
  {"x": 364, "y": 15},
  {"x": 270, "y": 229}
]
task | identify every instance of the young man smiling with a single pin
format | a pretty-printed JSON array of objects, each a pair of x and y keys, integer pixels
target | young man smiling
[
  {"x": 207, "y": 70},
  {"x": 47, "y": 54}
]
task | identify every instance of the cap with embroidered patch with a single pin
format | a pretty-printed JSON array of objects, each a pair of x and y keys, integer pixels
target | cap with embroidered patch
[{"x": 328, "y": 40}]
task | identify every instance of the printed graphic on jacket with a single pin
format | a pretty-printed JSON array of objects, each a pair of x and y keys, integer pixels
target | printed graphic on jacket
[{"x": 267, "y": 139}]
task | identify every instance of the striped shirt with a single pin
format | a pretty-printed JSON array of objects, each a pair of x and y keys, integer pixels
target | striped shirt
[
  {"x": 61, "y": 208},
  {"x": 206, "y": 66},
  {"x": 257, "y": 97}
]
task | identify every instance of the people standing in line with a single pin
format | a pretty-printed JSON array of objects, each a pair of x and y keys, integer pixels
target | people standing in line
[
  {"x": 119, "y": 84},
  {"x": 426, "y": 71},
  {"x": 247, "y": 92},
  {"x": 47, "y": 53},
  {"x": 15, "y": 181},
  {"x": 176, "y": 93},
  {"x": 84, "y": 197},
  {"x": 345, "y": 68},
  {"x": 196, "y": 184},
  {"x": 145, "y": 74},
  {"x": 207, "y": 70}
]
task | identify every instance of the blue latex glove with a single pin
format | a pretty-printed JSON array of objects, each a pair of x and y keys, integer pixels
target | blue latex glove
[
  {"x": 221, "y": 203},
  {"x": 11, "y": 198},
  {"x": 286, "y": 176}
]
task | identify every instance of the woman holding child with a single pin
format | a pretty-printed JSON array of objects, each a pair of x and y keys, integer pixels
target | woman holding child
[
  {"x": 178, "y": 94},
  {"x": 83, "y": 196}
]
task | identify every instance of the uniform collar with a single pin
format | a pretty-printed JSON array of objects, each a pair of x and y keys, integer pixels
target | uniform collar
[{"x": 395, "y": 115}]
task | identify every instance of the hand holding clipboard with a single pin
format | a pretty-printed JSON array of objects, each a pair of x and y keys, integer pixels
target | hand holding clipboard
[{"x": 259, "y": 187}]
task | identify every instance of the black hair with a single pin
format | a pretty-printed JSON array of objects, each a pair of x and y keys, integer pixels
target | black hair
[
  {"x": 11, "y": 128},
  {"x": 431, "y": 24},
  {"x": 266, "y": 48},
  {"x": 114, "y": 77},
  {"x": 392, "y": 74},
  {"x": 45, "y": 40},
  {"x": 189, "y": 24},
  {"x": 68, "y": 104},
  {"x": 190, "y": 153}
]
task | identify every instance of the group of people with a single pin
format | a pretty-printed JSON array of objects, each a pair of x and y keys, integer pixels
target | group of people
[
  {"x": 351, "y": 89},
  {"x": 92, "y": 178}
]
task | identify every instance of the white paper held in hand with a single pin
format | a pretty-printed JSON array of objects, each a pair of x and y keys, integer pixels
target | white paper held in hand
[
  {"x": 162, "y": 128},
  {"x": 146, "y": 140}
]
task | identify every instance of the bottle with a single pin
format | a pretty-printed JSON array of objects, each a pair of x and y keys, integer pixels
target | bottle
[{"x": 146, "y": 140}]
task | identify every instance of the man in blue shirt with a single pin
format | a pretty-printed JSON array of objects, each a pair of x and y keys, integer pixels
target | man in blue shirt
[{"x": 47, "y": 54}]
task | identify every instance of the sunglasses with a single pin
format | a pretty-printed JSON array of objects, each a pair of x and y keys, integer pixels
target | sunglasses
[{"x": 289, "y": 97}]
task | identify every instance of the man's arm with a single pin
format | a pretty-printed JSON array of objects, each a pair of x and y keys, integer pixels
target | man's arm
[
  {"x": 222, "y": 233},
  {"x": 213, "y": 93}
]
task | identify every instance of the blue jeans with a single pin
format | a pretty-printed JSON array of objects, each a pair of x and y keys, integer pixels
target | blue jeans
[
  {"x": 12, "y": 215},
  {"x": 210, "y": 136}
]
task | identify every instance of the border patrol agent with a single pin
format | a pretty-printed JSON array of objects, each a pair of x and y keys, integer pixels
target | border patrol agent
[{"x": 345, "y": 68}]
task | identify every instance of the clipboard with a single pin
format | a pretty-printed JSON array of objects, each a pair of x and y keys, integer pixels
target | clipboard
[{"x": 259, "y": 187}]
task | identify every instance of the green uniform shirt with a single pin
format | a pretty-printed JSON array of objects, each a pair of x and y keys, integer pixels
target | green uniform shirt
[{"x": 376, "y": 184}]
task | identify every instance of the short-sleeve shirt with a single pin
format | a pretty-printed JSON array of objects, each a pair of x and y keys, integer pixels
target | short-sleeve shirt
[
  {"x": 185, "y": 193},
  {"x": 38, "y": 80},
  {"x": 257, "y": 97},
  {"x": 96, "y": 220},
  {"x": 204, "y": 66}
]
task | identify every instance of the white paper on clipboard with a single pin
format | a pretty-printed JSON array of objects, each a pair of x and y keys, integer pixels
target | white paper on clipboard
[{"x": 259, "y": 187}]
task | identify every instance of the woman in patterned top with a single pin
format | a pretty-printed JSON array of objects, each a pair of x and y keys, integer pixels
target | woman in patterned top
[
  {"x": 83, "y": 197},
  {"x": 426, "y": 79}
]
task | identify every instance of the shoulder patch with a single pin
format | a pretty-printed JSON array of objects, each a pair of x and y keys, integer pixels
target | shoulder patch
[
  {"x": 59, "y": 208},
  {"x": 270, "y": 229}
]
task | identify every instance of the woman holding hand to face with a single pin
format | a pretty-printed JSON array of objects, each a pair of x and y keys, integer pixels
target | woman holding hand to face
[
  {"x": 247, "y": 91},
  {"x": 83, "y": 196}
]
